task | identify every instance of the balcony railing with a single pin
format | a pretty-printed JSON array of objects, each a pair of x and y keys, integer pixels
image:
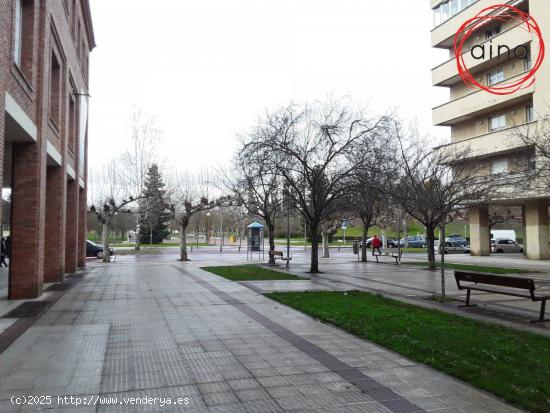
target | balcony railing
[
  {"x": 492, "y": 144},
  {"x": 478, "y": 103},
  {"x": 443, "y": 34},
  {"x": 447, "y": 72}
]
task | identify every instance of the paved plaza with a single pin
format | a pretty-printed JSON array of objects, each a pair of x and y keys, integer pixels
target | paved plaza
[{"x": 153, "y": 327}]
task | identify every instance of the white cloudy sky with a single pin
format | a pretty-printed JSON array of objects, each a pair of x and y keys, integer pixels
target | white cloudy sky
[{"x": 207, "y": 68}]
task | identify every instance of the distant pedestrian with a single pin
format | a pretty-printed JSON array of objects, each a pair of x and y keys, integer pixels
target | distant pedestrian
[
  {"x": 376, "y": 244},
  {"x": 3, "y": 252},
  {"x": 8, "y": 247}
]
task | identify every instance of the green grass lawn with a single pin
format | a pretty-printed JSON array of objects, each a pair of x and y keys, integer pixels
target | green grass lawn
[
  {"x": 511, "y": 364},
  {"x": 478, "y": 268},
  {"x": 249, "y": 273},
  {"x": 143, "y": 251},
  {"x": 162, "y": 245}
]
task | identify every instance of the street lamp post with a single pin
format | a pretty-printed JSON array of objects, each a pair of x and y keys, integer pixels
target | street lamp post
[
  {"x": 208, "y": 228},
  {"x": 221, "y": 232}
]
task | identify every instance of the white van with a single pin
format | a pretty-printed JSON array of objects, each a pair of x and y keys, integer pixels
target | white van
[{"x": 503, "y": 233}]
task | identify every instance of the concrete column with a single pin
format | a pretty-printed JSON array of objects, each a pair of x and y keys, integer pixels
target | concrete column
[
  {"x": 71, "y": 227},
  {"x": 54, "y": 246},
  {"x": 536, "y": 229},
  {"x": 27, "y": 223},
  {"x": 82, "y": 227},
  {"x": 480, "y": 241}
]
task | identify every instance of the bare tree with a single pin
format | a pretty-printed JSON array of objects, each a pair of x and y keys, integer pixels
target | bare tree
[
  {"x": 533, "y": 165},
  {"x": 373, "y": 176},
  {"x": 255, "y": 184},
  {"x": 433, "y": 185},
  {"x": 108, "y": 200},
  {"x": 310, "y": 148},
  {"x": 190, "y": 195},
  {"x": 137, "y": 160}
]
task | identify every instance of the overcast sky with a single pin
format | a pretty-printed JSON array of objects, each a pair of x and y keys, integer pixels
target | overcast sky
[{"x": 206, "y": 69}]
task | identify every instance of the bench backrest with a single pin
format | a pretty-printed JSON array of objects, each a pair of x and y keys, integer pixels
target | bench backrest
[
  {"x": 494, "y": 279},
  {"x": 279, "y": 253}
]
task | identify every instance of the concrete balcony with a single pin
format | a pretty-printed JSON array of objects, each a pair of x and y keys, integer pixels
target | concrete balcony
[
  {"x": 443, "y": 35},
  {"x": 491, "y": 144},
  {"x": 446, "y": 74},
  {"x": 478, "y": 103}
]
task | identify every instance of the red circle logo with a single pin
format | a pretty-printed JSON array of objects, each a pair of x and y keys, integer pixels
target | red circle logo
[{"x": 502, "y": 13}]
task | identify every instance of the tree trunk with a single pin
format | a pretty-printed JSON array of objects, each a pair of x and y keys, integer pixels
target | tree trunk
[
  {"x": 442, "y": 247},
  {"x": 430, "y": 237},
  {"x": 271, "y": 237},
  {"x": 364, "y": 246},
  {"x": 183, "y": 242},
  {"x": 105, "y": 236},
  {"x": 137, "y": 246},
  {"x": 324, "y": 240},
  {"x": 314, "y": 234}
]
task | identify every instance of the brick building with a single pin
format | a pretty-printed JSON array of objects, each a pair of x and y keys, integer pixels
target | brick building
[{"x": 44, "y": 61}]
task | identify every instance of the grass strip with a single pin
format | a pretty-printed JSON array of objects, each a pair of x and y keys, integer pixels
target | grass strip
[
  {"x": 249, "y": 273},
  {"x": 511, "y": 364}
]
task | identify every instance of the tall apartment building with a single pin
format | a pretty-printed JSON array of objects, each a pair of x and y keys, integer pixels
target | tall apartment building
[
  {"x": 44, "y": 60},
  {"x": 484, "y": 122}
]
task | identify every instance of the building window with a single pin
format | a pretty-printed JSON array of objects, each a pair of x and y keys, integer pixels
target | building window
[
  {"x": 495, "y": 31},
  {"x": 530, "y": 113},
  {"x": 73, "y": 120},
  {"x": 499, "y": 167},
  {"x": 497, "y": 123},
  {"x": 495, "y": 76},
  {"x": 531, "y": 162},
  {"x": 18, "y": 32},
  {"x": 450, "y": 8},
  {"x": 55, "y": 90},
  {"x": 527, "y": 63},
  {"x": 24, "y": 36}
]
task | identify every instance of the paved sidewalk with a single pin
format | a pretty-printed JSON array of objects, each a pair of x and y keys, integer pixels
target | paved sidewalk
[{"x": 173, "y": 330}]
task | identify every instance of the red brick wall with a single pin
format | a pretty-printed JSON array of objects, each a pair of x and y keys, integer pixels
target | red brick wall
[{"x": 39, "y": 203}]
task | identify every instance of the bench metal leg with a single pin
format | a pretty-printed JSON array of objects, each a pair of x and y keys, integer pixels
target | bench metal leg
[
  {"x": 468, "y": 291},
  {"x": 542, "y": 311}
]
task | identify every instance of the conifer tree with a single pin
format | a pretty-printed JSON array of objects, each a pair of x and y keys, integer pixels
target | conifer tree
[{"x": 154, "y": 209}]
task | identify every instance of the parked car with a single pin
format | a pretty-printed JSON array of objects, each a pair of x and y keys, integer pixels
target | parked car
[
  {"x": 501, "y": 245},
  {"x": 452, "y": 247},
  {"x": 95, "y": 250},
  {"x": 457, "y": 239},
  {"x": 413, "y": 242},
  {"x": 390, "y": 243}
]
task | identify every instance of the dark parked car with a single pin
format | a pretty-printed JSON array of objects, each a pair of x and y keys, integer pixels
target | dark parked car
[
  {"x": 95, "y": 250},
  {"x": 414, "y": 242},
  {"x": 457, "y": 239}
]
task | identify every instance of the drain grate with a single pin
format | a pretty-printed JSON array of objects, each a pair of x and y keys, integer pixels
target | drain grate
[
  {"x": 28, "y": 309},
  {"x": 58, "y": 287}
]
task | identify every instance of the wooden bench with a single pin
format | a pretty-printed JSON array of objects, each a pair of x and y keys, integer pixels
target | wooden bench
[
  {"x": 392, "y": 255},
  {"x": 514, "y": 286},
  {"x": 279, "y": 254}
]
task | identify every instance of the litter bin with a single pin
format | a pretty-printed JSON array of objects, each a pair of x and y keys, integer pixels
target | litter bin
[{"x": 355, "y": 247}]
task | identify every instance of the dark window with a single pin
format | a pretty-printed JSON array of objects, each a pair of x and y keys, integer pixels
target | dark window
[
  {"x": 71, "y": 137},
  {"x": 24, "y": 36},
  {"x": 495, "y": 31},
  {"x": 55, "y": 90}
]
